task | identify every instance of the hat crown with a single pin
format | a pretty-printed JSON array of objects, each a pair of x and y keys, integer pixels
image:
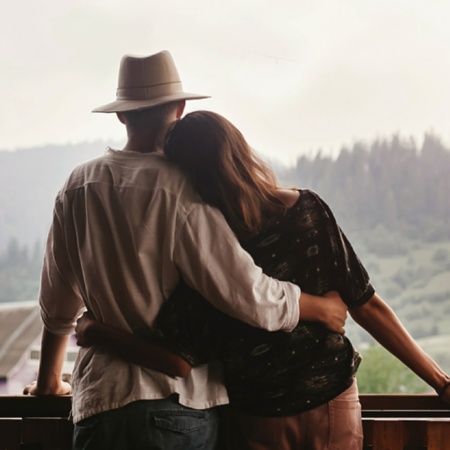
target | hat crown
[
  {"x": 145, "y": 82},
  {"x": 147, "y": 71}
]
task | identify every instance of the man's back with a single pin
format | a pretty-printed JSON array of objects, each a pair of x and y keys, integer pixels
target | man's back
[
  {"x": 120, "y": 237},
  {"x": 118, "y": 219}
]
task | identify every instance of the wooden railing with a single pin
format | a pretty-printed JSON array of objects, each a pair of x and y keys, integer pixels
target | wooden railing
[
  {"x": 391, "y": 422},
  {"x": 35, "y": 423},
  {"x": 405, "y": 422}
]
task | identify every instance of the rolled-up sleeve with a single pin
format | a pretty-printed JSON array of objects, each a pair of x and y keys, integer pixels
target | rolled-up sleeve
[
  {"x": 212, "y": 262},
  {"x": 59, "y": 298}
]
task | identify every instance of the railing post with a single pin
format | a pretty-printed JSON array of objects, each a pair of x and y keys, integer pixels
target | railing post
[
  {"x": 48, "y": 433},
  {"x": 438, "y": 435},
  {"x": 388, "y": 435},
  {"x": 10, "y": 434}
]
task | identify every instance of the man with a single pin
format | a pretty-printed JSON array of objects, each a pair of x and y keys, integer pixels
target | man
[{"x": 126, "y": 227}]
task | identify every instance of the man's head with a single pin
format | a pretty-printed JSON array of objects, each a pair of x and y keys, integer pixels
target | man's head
[
  {"x": 147, "y": 82},
  {"x": 151, "y": 119}
]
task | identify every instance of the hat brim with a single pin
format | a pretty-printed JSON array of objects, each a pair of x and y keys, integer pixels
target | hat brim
[{"x": 135, "y": 105}]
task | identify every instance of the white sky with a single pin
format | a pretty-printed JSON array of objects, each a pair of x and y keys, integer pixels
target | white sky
[{"x": 294, "y": 75}]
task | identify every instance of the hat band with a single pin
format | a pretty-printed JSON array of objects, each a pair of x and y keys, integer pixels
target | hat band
[{"x": 149, "y": 92}]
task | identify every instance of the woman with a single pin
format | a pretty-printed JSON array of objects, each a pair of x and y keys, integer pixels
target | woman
[{"x": 287, "y": 390}]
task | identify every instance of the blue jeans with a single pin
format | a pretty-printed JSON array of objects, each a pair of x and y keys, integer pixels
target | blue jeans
[{"x": 150, "y": 425}]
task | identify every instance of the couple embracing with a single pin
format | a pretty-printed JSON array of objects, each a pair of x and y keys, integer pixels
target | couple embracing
[{"x": 216, "y": 299}]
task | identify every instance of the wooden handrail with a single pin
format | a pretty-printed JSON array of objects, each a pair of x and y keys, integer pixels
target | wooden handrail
[
  {"x": 422, "y": 402},
  {"x": 372, "y": 405},
  {"x": 30, "y": 406},
  {"x": 395, "y": 422},
  {"x": 398, "y": 405}
]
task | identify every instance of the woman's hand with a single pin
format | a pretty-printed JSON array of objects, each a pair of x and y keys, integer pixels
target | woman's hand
[
  {"x": 129, "y": 347},
  {"x": 377, "y": 318},
  {"x": 444, "y": 392},
  {"x": 85, "y": 325}
]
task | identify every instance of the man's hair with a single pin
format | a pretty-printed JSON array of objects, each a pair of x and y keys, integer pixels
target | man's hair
[
  {"x": 153, "y": 118},
  {"x": 224, "y": 170}
]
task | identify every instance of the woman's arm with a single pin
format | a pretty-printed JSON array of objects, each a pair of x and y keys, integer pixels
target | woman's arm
[
  {"x": 130, "y": 347},
  {"x": 380, "y": 321}
]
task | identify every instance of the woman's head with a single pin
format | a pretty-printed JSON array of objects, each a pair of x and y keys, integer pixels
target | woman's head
[{"x": 224, "y": 169}]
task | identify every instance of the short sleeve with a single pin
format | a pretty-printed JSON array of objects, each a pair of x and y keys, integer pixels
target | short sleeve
[{"x": 350, "y": 276}]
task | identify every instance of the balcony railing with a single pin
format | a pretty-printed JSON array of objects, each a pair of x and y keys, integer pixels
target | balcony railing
[
  {"x": 35, "y": 423},
  {"x": 391, "y": 422}
]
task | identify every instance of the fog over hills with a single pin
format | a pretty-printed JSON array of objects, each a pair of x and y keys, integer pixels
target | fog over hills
[
  {"x": 29, "y": 181},
  {"x": 387, "y": 183}
]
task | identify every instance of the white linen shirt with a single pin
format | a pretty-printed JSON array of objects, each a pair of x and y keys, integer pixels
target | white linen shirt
[{"x": 126, "y": 227}]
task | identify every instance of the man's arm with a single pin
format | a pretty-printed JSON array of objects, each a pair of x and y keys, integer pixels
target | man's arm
[
  {"x": 380, "y": 321},
  {"x": 49, "y": 381},
  {"x": 331, "y": 311},
  {"x": 212, "y": 262}
]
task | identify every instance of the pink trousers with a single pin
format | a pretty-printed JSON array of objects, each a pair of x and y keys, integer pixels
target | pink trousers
[{"x": 336, "y": 425}]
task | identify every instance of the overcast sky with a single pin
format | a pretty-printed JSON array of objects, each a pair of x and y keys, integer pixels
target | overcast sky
[{"x": 294, "y": 75}]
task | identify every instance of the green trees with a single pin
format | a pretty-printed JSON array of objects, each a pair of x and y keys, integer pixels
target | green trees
[
  {"x": 381, "y": 373},
  {"x": 387, "y": 182}
]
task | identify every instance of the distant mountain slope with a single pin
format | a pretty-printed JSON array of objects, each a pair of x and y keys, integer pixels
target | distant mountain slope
[
  {"x": 29, "y": 181},
  {"x": 387, "y": 183}
]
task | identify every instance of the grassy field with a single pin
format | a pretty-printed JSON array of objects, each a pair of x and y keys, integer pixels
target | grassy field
[{"x": 415, "y": 283}]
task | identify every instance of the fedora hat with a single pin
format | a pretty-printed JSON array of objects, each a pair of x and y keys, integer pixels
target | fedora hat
[{"x": 145, "y": 82}]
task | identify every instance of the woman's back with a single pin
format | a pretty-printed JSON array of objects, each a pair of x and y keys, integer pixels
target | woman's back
[{"x": 278, "y": 373}]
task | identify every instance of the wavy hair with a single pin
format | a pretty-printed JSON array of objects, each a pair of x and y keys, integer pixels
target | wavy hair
[{"x": 224, "y": 170}]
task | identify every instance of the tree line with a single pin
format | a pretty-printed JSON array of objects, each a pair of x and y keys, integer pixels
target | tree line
[
  {"x": 389, "y": 182},
  {"x": 389, "y": 187}
]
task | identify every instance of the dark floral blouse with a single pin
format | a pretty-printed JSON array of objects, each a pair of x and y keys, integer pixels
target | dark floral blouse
[{"x": 278, "y": 373}]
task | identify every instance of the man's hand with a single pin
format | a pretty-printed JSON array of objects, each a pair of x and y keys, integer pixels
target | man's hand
[
  {"x": 64, "y": 388},
  {"x": 329, "y": 310},
  {"x": 335, "y": 311},
  {"x": 85, "y": 324}
]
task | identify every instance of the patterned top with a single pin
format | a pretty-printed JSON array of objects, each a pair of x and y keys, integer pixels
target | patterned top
[{"x": 279, "y": 373}]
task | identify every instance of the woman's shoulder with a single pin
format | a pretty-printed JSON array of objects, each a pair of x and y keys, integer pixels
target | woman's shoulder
[
  {"x": 294, "y": 196},
  {"x": 309, "y": 204},
  {"x": 312, "y": 197},
  {"x": 288, "y": 196}
]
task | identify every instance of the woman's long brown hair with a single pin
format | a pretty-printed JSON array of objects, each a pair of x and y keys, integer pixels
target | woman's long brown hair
[{"x": 224, "y": 170}]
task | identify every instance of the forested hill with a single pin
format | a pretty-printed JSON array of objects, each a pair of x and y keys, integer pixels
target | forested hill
[{"x": 389, "y": 183}]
